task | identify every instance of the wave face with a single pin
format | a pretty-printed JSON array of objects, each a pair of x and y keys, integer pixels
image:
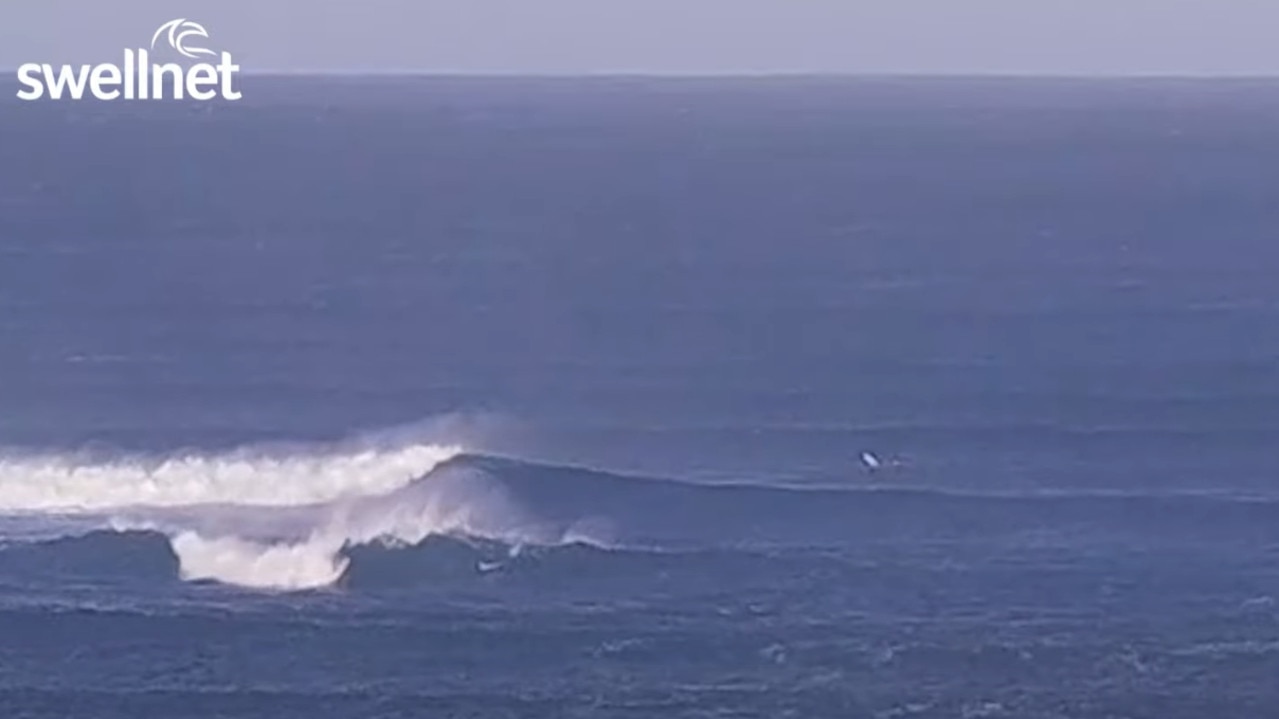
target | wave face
[{"x": 286, "y": 521}]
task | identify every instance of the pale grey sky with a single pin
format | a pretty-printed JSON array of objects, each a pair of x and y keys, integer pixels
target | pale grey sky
[{"x": 1024, "y": 37}]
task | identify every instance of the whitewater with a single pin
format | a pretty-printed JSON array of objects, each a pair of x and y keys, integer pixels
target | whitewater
[{"x": 251, "y": 476}]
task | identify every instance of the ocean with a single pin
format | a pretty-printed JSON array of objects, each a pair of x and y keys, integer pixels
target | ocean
[{"x": 623, "y": 397}]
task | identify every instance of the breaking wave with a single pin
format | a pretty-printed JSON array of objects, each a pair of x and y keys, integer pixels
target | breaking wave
[
  {"x": 305, "y": 518},
  {"x": 257, "y": 517}
]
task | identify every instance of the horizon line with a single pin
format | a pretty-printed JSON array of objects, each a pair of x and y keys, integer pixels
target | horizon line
[
  {"x": 785, "y": 75},
  {"x": 742, "y": 74},
  {"x": 755, "y": 75},
  {"x": 745, "y": 75}
]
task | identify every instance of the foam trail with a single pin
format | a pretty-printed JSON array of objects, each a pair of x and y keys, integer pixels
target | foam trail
[{"x": 71, "y": 484}]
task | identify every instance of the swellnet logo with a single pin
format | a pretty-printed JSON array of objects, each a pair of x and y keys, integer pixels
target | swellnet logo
[{"x": 138, "y": 78}]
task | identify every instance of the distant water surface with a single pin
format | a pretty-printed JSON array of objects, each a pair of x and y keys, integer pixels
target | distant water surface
[{"x": 400, "y": 397}]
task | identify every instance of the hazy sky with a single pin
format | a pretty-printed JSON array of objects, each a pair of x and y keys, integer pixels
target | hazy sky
[{"x": 1076, "y": 37}]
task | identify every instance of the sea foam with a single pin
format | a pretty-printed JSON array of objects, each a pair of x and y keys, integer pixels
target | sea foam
[{"x": 72, "y": 483}]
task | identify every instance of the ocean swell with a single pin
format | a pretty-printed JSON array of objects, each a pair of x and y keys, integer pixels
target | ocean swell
[{"x": 300, "y": 520}]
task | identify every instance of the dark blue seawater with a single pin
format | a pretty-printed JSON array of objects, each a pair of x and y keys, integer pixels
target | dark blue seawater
[{"x": 372, "y": 397}]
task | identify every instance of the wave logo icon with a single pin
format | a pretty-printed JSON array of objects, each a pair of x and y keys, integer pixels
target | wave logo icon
[{"x": 178, "y": 32}]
